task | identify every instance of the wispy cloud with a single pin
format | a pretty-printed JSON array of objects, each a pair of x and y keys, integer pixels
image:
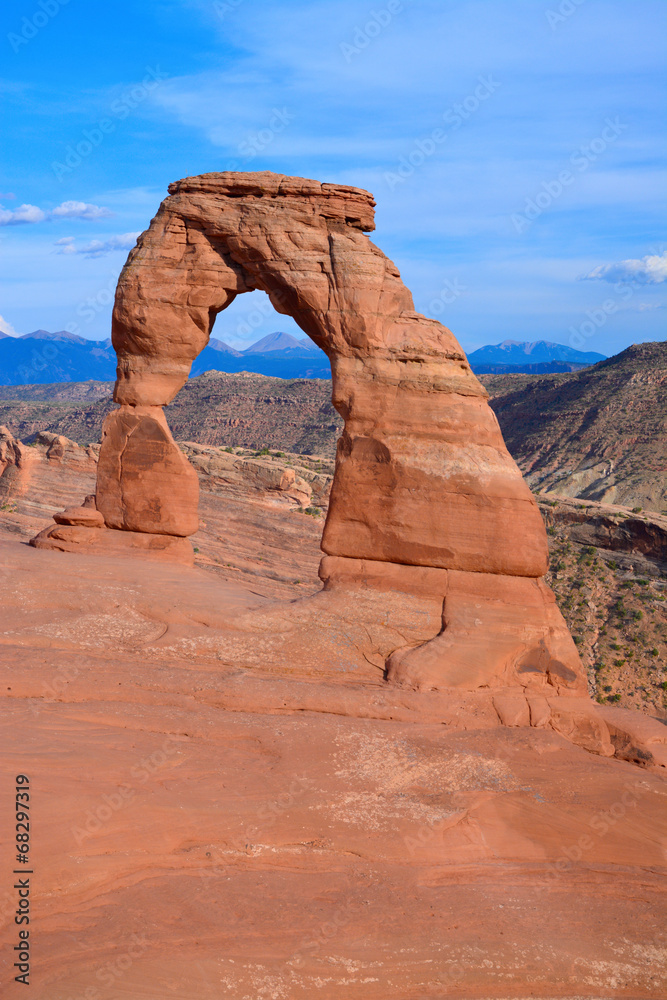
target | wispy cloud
[
  {"x": 97, "y": 248},
  {"x": 649, "y": 270},
  {"x": 7, "y": 328},
  {"x": 27, "y": 214}
]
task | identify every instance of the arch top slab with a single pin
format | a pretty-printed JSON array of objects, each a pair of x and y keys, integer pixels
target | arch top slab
[{"x": 301, "y": 241}]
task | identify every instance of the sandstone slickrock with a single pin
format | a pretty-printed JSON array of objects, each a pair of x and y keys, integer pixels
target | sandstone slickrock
[
  {"x": 44, "y": 473},
  {"x": 299, "y": 829},
  {"x": 423, "y": 477}
]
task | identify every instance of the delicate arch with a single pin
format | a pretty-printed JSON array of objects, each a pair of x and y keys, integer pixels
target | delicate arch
[
  {"x": 425, "y": 499},
  {"x": 423, "y": 476}
]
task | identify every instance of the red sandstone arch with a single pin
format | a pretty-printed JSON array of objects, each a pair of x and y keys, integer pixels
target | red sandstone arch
[{"x": 426, "y": 498}]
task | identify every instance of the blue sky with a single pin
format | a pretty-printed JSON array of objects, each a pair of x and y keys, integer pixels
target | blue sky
[{"x": 515, "y": 149}]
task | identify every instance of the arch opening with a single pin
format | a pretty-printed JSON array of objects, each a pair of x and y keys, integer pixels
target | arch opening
[{"x": 250, "y": 335}]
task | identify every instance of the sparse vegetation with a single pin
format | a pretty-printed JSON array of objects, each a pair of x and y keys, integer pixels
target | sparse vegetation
[{"x": 617, "y": 616}]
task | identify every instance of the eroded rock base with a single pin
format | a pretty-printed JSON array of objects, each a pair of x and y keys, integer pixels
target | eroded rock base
[
  {"x": 496, "y": 631},
  {"x": 103, "y": 541}
]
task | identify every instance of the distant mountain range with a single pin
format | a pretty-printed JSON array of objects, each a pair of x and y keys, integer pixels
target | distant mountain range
[
  {"x": 542, "y": 356},
  {"x": 278, "y": 355},
  {"x": 43, "y": 358}
]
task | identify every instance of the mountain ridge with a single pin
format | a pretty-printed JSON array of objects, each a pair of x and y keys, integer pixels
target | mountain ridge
[
  {"x": 68, "y": 357},
  {"x": 515, "y": 352}
]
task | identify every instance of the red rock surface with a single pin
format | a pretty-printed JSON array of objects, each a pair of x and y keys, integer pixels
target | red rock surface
[{"x": 203, "y": 829}]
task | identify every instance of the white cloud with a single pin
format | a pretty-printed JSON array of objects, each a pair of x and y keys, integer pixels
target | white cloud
[
  {"x": 649, "y": 270},
  {"x": 26, "y": 214},
  {"x": 7, "y": 328},
  {"x": 22, "y": 215},
  {"x": 67, "y": 244},
  {"x": 79, "y": 210},
  {"x": 98, "y": 248}
]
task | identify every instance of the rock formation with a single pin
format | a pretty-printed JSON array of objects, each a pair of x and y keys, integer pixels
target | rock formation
[{"x": 423, "y": 480}]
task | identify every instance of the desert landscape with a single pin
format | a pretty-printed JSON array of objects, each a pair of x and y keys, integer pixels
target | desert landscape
[{"x": 263, "y": 773}]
